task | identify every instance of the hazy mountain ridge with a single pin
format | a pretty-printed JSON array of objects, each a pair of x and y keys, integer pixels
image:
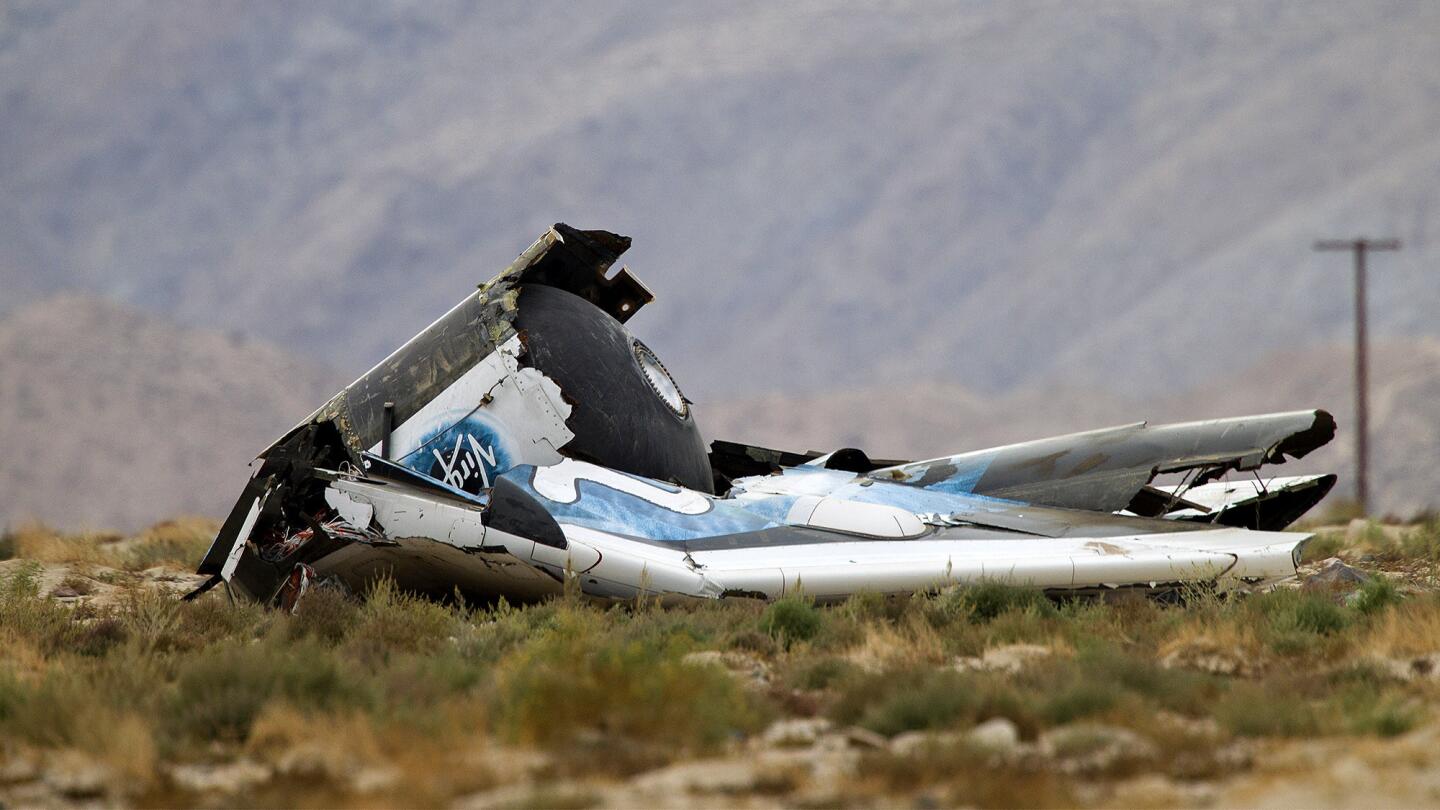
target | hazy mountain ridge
[
  {"x": 965, "y": 223},
  {"x": 112, "y": 418},
  {"x": 929, "y": 419},
  {"x": 1000, "y": 193}
]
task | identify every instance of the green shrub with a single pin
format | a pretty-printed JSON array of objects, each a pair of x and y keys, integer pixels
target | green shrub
[
  {"x": 99, "y": 636},
  {"x": 580, "y": 677},
  {"x": 414, "y": 685},
  {"x": 752, "y": 640},
  {"x": 990, "y": 600},
  {"x": 1362, "y": 708},
  {"x": 27, "y": 614},
  {"x": 1295, "y": 622},
  {"x": 922, "y": 698},
  {"x": 56, "y": 710},
  {"x": 392, "y": 621},
  {"x": 792, "y": 619},
  {"x": 1376, "y": 594},
  {"x": 929, "y": 701},
  {"x": 220, "y": 691},
  {"x": 821, "y": 673},
  {"x": 1390, "y": 719},
  {"x": 1253, "y": 710},
  {"x": 500, "y": 629},
  {"x": 214, "y": 618},
  {"x": 1080, "y": 700},
  {"x": 324, "y": 614},
  {"x": 1322, "y": 546},
  {"x": 152, "y": 620},
  {"x": 872, "y": 606},
  {"x": 1423, "y": 541}
]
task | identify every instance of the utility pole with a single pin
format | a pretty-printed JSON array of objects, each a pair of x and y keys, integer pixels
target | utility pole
[{"x": 1362, "y": 361}]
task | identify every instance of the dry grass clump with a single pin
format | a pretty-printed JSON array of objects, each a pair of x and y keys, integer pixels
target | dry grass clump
[
  {"x": 1409, "y": 629},
  {"x": 606, "y": 693},
  {"x": 392, "y": 699},
  {"x": 1418, "y": 543},
  {"x": 179, "y": 543},
  {"x": 909, "y": 641},
  {"x": 1422, "y": 542},
  {"x": 42, "y": 544},
  {"x": 1322, "y": 546},
  {"x": 957, "y": 775}
]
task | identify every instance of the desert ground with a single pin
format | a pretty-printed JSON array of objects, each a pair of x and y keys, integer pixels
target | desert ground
[{"x": 1320, "y": 692}]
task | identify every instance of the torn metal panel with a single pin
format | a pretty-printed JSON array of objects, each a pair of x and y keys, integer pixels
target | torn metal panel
[
  {"x": 526, "y": 441},
  {"x": 732, "y": 460},
  {"x": 534, "y": 367},
  {"x": 431, "y": 362},
  {"x": 1106, "y": 469},
  {"x": 1261, "y": 504},
  {"x": 493, "y": 417}
]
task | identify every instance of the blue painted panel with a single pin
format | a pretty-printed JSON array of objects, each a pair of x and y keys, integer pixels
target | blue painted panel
[
  {"x": 467, "y": 455},
  {"x": 605, "y": 509}
]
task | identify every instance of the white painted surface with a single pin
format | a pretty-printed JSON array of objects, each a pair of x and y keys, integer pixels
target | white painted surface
[
  {"x": 1219, "y": 495},
  {"x": 561, "y": 483},
  {"x": 525, "y": 406},
  {"x": 401, "y": 514},
  {"x": 233, "y": 558},
  {"x": 356, "y": 513}
]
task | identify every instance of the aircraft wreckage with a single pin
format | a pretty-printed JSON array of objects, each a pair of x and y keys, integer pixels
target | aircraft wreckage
[{"x": 526, "y": 439}]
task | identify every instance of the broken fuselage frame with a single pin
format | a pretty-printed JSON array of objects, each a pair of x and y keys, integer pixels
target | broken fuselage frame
[{"x": 526, "y": 439}]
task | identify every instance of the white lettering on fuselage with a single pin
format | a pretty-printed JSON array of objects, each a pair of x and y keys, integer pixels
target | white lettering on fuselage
[{"x": 463, "y": 464}]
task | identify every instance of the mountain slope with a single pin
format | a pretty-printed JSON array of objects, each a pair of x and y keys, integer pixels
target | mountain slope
[
  {"x": 927, "y": 420},
  {"x": 110, "y": 418},
  {"x": 998, "y": 193}
]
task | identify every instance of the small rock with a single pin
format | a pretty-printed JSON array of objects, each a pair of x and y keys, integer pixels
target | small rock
[
  {"x": 827, "y": 765},
  {"x": 373, "y": 780},
  {"x": 913, "y": 743},
  {"x": 865, "y": 738},
  {"x": 1236, "y": 756},
  {"x": 703, "y": 776},
  {"x": 522, "y": 762},
  {"x": 749, "y": 668},
  {"x": 19, "y": 768},
  {"x": 1207, "y": 655},
  {"x": 72, "y": 774},
  {"x": 704, "y": 658},
  {"x": 1334, "y": 575},
  {"x": 795, "y": 733},
  {"x": 1158, "y": 790},
  {"x": 1010, "y": 658},
  {"x": 553, "y": 793},
  {"x": 311, "y": 760},
  {"x": 228, "y": 778},
  {"x": 65, "y": 592},
  {"x": 1090, "y": 748},
  {"x": 997, "y": 734},
  {"x": 1412, "y": 668},
  {"x": 1207, "y": 728},
  {"x": 1425, "y": 666}
]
